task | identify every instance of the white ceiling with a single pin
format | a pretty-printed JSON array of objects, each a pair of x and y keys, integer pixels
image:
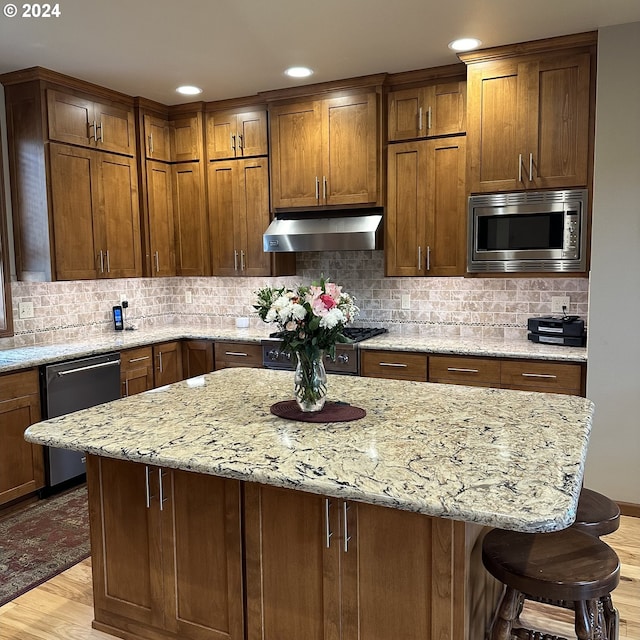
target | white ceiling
[{"x": 236, "y": 48}]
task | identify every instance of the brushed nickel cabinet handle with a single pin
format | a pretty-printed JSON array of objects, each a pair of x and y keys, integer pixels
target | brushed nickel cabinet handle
[
  {"x": 531, "y": 167},
  {"x": 236, "y": 353},
  {"x": 429, "y": 118},
  {"x": 163, "y": 498},
  {"x": 146, "y": 486},
  {"x": 108, "y": 262},
  {"x": 317, "y": 189},
  {"x": 327, "y": 526},
  {"x": 420, "y": 119},
  {"x": 548, "y": 376},
  {"x": 160, "y": 362},
  {"x": 233, "y": 141},
  {"x": 460, "y": 370},
  {"x": 520, "y": 167},
  {"x": 157, "y": 255},
  {"x": 419, "y": 258},
  {"x": 324, "y": 189},
  {"x": 428, "y": 258},
  {"x": 235, "y": 260},
  {"x": 347, "y": 537},
  {"x": 151, "y": 144},
  {"x": 101, "y": 262},
  {"x": 140, "y": 359},
  {"x": 240, "y": 145},
  {"x": 242, "y": 260},
  {"x": 393, "y": 364}
]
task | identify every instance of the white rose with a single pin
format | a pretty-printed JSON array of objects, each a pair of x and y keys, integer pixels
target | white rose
[{"x": 333, "y": 318}]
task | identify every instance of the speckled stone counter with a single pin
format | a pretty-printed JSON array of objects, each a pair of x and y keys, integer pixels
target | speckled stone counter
[
  {"x": 509, "y": 459},
  {"x": 25, "y": 357}
]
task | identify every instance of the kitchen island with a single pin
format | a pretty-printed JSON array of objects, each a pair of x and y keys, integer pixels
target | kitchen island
[{"x": 211, "y": 516}]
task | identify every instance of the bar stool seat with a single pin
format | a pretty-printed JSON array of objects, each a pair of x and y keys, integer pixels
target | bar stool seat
[
  {"x": 566, "y": 565},
  {"x": 596, "y": 514}
]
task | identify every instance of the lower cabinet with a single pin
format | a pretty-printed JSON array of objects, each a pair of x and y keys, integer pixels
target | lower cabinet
[
  {"x": 21, "y": 463},
  {"x": 398, "y": 365},
  {"x": 322, "y": 568},
  {"x": 197, "y": 357},
  {"x": 238, "y": 354},
  {"x": 136, "y": 371},
  {"x": 477, "y": 372},
  {"x": 166, "y": 552},
  {"x": 167, "y": 358}
]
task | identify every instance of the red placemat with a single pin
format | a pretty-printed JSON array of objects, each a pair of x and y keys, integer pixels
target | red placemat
[{"x": 331, "y": 412}]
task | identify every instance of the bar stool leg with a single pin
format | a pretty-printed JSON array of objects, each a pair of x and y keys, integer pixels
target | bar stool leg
[
  {"x": 611, "y": 618},
  {"x": 507, "y": 614},
  {"x": 590, "y": 621}
]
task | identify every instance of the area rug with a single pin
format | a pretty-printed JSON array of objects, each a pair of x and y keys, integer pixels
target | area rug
[{"x": 41, "y": 541}]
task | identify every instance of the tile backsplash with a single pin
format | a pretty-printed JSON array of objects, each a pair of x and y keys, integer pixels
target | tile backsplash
[{"x": 496, "y": 307}]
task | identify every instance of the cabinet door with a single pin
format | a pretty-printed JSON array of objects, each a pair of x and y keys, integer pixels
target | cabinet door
[
  {"x": 126, "y": 560},
  {"x": 74, "y": 203},
  {"x": 292, "y": 564},
  {"x": 157, "y": 138},
  {"x": 350, "y": 150},
  {"x": 236, "y": 135},
  {"x": 497, "y": 120},
  {"x": 136, "y": 371},
  {"x": 70, "y": 119},
  {"x": 406, "y": 213},
  {"x": 115, "y": 126},
  {"x": 558, "y": 123},
  {"x": 251, "y": 129},
  {"x": 221, "y": 135},
  {"x": 253, "y": 216},
  {"x": 119, "y": 218},
  {"x": 21, "y": 463},
  {"x": 224, "y": 201},
  {"x": 202, "y": 556},
  {"x": 187, "y": 136},
  {"x": 392, "y": 589},
  {"x": 406, "y": 114},
  {"x": 296, "y": 155},
  {"x": 168, "y": 363},
  {"x": 190, "y": 219},
  {"x": 397, "y": 365},
  {"x": 197, "y": 357},
  {"x": 237, "y": 354},
  {"x": 446, "y": 207},
  {"x": 161, "y": 229}
]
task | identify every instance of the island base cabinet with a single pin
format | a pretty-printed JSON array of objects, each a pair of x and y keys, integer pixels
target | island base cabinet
[
  {"x": 327, "y": 569},
  {"x": 166, "y": 552}
]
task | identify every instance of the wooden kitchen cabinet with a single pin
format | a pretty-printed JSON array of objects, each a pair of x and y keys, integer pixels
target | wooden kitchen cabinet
[
  {"x": 160, "y": 223},
  {"x": 325, "y": 152},
  {"x": 157, "y": 138},
  {"x": 186, "y": 131},
  {"x": 426, "y": 208},
  {"x": 238, "y": 216},
  {"x": 197, "y": 357},
  {"x": 136, "y": 371},
  {"x": 398, "y": 365},
  {"x": 479, "y": 372},
  {"x": 82, "y": 120},
  {"x": 530, "y": 117},
  {"x": 96, "y": 225},
  {"x": 21, "y": 463},
  {"x": 437, "y": 109},
  {"x": 236, "y": 134},
  {"x": 167, "y": 359},
  {"x": 237, "y": 354},
  {"x": 190, "y": 219},
  {"x": 541, "y": 375},
  {"x": 361, "y": 580},
  {"x": 175, "y": 570}
]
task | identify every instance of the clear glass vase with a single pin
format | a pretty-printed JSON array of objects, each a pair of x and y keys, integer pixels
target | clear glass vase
[{"x": 310, "y": 381}]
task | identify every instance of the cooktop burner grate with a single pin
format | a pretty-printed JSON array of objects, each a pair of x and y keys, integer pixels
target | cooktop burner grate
[{"x": 357, "y": 334}]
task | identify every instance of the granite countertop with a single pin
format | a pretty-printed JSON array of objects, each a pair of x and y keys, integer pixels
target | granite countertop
[
  {"x": 497, "y": 457},
  {"x": 25, "y": 357}
]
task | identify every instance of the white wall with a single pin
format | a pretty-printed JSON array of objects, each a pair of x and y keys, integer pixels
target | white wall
[{"x": 613, "y": 377}]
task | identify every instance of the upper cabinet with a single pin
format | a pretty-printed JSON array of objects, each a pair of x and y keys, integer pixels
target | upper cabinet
[
  {"x": 437, "y": 109},
  {"x": 236, "y": 135},
  {"x": 326, "y": 151},
  {"x": 530, "y": 117},
  {"x": 157, "y": 138},
  {"x": 79, "y": 120},
  {"x": 75, "y": 206}
]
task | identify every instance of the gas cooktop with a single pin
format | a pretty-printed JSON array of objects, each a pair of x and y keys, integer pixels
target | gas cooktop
[{"x": 357, "y": 334}]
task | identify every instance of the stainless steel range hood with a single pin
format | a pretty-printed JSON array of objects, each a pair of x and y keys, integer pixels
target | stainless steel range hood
[{"x": 343, "y": 231}]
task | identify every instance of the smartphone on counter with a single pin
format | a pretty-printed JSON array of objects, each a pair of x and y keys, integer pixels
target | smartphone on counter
[{"x": 118, "y": 323}]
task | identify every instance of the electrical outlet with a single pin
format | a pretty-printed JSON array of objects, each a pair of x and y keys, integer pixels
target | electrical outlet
[
  {"x": 406, "y": 301},
  {"x": 558, "y": 302},
  {"x": 25, "y": 310},
  {"x": 188, "y": 297}
]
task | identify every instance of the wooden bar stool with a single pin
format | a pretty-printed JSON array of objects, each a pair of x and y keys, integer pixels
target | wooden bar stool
[
  {"x": 596, "y": 514},
  {"x": 566, "y": 565}
]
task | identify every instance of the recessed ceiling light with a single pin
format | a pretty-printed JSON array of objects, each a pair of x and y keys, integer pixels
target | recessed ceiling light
[
  {"x": 189, "y": 90},
  {"x": 464, "y": 44},
  {"x": 298, "y": 72}
]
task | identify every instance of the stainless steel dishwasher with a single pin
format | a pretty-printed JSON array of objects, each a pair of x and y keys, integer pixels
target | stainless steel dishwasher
[{"x": 70, "y": 386}]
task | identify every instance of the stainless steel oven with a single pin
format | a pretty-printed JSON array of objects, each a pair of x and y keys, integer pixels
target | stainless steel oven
[
  {"x": 347, "y": 359},
  {"x": 528, "y": 231}
]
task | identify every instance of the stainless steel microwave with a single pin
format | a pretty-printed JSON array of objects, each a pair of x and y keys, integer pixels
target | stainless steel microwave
[{"x": 528, "y": 231}]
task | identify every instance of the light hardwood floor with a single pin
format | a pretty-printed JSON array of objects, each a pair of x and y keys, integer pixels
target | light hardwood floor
[{"x": 61, "y": 609}]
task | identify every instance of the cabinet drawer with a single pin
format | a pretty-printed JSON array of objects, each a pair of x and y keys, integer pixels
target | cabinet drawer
[
  {"x": 483, "y": 372},
  {"x": 238, "y": 354},
  {"x": 550, "y": 377},
  {"x": 19, "y": 384},
  {"x": 136, "y": 358},
  {"x": 398, "y": 365}
]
